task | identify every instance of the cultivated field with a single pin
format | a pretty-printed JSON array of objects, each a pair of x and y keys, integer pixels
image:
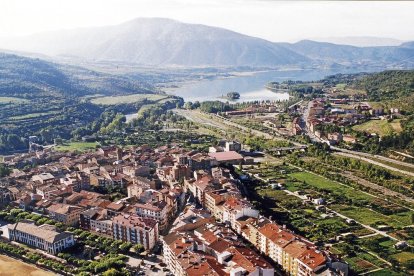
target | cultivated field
[{"x": 380, "y": 127}]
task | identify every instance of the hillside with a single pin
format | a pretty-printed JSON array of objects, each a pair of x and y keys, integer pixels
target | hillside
[
  {"x": 388, "y": 85},
  {"x": 49, "y": 100},
  {"x": 28, "y": 78}
]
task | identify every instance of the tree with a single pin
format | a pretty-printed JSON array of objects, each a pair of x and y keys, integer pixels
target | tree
[
  {"x": 111, "y": 272},
  {"x": 138, "y": 248},
  {"x": 188, "y": 105},
  {"x": 125, "y": 247}
]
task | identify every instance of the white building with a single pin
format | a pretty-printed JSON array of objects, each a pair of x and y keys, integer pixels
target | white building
[{"x": 44, "y": 237}]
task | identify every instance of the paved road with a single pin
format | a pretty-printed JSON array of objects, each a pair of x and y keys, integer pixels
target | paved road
[
  {"x": 367, "y": 155},
  {"x": 351, "y": 155}
]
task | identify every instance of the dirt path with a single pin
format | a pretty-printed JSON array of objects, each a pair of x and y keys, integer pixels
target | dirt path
[{"x": 12, "y": 267}]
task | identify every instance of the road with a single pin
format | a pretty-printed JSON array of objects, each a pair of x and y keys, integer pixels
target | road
[
  {"x": 410, "y": 173},
  {"x": 223, "y": 124},
  {"x": 379, "y": 157}
]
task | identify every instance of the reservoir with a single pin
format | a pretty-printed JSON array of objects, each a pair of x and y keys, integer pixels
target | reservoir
[{"x": 250, "y": 86}]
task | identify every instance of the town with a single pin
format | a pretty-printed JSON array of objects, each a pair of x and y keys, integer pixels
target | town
[{"x": 186, "y": 202}]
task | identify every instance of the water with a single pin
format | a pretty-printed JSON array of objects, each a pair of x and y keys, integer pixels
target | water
[{"x": 250, "y": 87}]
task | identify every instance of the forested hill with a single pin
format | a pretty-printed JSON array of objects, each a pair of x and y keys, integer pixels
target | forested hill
[
  {"x": 388, "y": 85},
  {"x": 28, "y": 78}
]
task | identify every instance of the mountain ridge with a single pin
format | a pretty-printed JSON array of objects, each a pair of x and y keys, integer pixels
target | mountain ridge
[{"x": 166, "y": 42}]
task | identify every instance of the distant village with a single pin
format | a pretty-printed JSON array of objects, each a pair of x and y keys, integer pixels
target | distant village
[{"x": 187, "y": 201}]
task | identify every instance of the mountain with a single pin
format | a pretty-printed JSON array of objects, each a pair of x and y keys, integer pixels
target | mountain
[
  {"x": 32, "y": 77},
  {"x": 165, "y": 42},
  {"x": 386, "y": 56},
  {"x": 157, "y": 41},
  {"x": 361, "y": 41}
]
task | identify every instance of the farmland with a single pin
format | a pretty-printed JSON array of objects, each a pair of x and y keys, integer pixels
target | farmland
[{"x": 380, "y": 127}]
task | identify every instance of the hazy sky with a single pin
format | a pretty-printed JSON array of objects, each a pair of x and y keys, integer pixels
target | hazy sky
[{"x": 272, "y": 20}]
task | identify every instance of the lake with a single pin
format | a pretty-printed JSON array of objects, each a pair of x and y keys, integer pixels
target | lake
[{"x": 250, "y": 87}]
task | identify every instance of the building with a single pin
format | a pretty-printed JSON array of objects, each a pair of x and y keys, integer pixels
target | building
[
  {"x": 96, "y": 220},
  {"x": 44, "y": 178},
  {"x": 227, "y": 157},
  {"x": 67, "y": 214},
  {"x": 6, "y": 196},
  {"x": 232, "y": 146},
  {"x": 44, "y": 237},
  {"x": 234, "y": 208},
  {"x": 134, "y": 229},
  {"x": 154, "y": 210}
]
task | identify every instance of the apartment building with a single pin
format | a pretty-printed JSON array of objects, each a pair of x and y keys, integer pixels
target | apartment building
[{"x": 134, "y": 229}]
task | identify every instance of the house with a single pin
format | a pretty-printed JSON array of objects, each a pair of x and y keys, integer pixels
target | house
[
  {"x": 349, "y": 139},
  {"x": 44, "y": 237}
]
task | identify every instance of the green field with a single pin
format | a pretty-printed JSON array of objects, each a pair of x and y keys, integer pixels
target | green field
[
  {"x": 381, "y": 127},
  {"x": 332, "y": 186},
  {"x": 112, "y": 100},
  {"x": 12, "y": 100},
  {"x": 77, "y": 146},
  {"x": 370, "y": 217}
]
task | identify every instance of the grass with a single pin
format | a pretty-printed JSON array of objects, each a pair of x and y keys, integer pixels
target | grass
[
  {"x": 13, "y": 100},
  {"x": 368, "y": 216},
  {"x": 322, "y": 183},
  {"x": 77, "y": 146},
  {"x": 112, "y": 100},
  {"x": 380, "y": 127}
]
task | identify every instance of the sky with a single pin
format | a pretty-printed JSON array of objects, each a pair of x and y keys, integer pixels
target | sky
[{"x": 276, "y": 21}]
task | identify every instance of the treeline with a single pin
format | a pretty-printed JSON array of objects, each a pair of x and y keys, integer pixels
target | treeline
[{"x": 210, "y": 106}]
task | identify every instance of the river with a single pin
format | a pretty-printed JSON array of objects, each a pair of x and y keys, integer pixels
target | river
[{"x": 250, "y": 86}]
